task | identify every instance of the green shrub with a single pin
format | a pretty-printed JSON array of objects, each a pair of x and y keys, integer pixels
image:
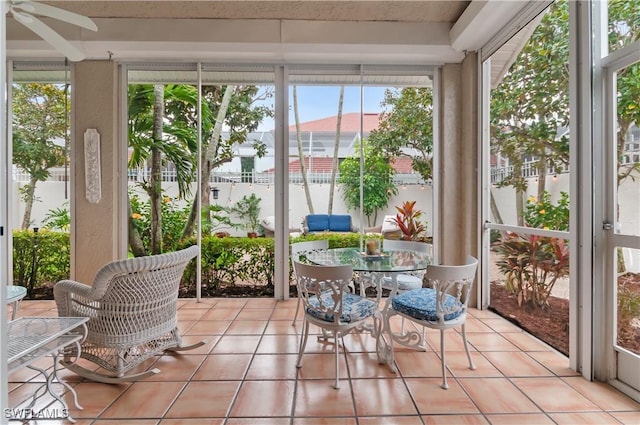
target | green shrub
[
  {"x": 43, "y": 257},
  {"x": 546, "y": 215},
  {"x": 39, "y": 258},
  {"x": 173, "y": 221},
  {"x": 336, "y": 240},
  {"x": 58, "y": 218}
]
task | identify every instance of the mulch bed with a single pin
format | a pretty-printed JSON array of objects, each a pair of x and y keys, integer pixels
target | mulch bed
[{"x": 551, "y": 324}]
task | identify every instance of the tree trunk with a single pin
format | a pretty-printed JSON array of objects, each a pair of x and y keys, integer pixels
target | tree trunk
[
  {"x": 303, "y": 169},
  {"x": 135, "y": 241},
  {"x": 208, "y": 156},
  {"x": 542, "y": 177},
  {"x": 519, "y": 206},
  {"x": 495, "y": 212},
  {"x": 28, "y": 196},
  {"x": 336, "y": 145},
  {"x": 155, "y": 182}
]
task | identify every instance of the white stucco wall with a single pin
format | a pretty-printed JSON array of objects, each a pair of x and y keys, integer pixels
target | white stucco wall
[{"x": 50, "y": 195}]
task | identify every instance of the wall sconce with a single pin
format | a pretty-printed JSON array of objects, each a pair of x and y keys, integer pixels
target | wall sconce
[{"x": 215, "y": 192}]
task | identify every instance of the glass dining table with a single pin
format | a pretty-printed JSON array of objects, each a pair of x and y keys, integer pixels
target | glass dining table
[{"x": 378, "y": 270}]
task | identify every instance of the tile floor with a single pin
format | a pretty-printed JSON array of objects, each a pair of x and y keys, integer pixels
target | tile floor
[{"x": 246, "y": 374}]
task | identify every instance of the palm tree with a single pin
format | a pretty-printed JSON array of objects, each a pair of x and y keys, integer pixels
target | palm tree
[{"x": 154, "y": 140}]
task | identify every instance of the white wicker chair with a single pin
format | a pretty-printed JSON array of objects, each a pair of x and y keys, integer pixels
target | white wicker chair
[{"x": 132, "y": 310}]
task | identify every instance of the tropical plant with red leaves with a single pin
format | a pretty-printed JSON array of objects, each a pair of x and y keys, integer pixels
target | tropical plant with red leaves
[
  {"x": 532, "y": 265},
  {"x": 408, "y": 220}
]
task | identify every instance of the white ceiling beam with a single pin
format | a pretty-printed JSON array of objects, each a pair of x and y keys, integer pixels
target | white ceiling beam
[
  {"x": 480, "y": 21},
  {"x": 251, "y": 41}
]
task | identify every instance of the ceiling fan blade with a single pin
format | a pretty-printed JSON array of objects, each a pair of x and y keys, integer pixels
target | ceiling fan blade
[
  {"x": 50, "y": 36},
  {"x": 55, "y": 13}
]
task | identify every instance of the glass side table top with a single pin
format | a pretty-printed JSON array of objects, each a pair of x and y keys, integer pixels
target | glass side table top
[
  {"x": 386, "y": 261},
  {"x": 28, "y": 334},
  {"x": 15, "y": 293}
]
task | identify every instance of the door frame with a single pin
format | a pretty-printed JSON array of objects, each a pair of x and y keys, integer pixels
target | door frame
[{"x": 619, "y": 362}]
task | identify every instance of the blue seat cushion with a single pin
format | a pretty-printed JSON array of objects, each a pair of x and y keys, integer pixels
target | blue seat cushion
[
  {"x": 354, "y": 308},
  {"x": 340, "y": 223},
  {"x": 318, "y": 222},
  {"x": 421, "y": 304}
]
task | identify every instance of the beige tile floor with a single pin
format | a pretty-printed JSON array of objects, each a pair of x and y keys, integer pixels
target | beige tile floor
[{"x": 246, "y": 374}]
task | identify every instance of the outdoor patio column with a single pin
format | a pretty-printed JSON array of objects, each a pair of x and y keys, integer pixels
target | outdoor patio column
[
  {"x": 458, "y": 230},
  {"x": 95, "y": 226}
]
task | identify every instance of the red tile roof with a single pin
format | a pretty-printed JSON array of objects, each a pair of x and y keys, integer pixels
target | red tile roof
[
  {"x": 402, "y": 165},
  {"x": 350, "y": 123}
]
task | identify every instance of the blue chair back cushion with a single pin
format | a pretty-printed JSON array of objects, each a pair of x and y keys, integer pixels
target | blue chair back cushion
[
  {"x": 340, "y": 223},
  {"x": 318, "y": 222},
  {"x": 354, "y": 308},
  {"x": 421, "y": 304}
]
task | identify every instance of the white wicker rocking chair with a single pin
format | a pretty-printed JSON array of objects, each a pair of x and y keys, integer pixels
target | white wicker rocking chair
[{"x": 132, "y": 310}]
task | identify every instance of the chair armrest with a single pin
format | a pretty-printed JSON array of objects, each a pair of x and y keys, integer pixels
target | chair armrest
[{"x": 63, "y": 290}]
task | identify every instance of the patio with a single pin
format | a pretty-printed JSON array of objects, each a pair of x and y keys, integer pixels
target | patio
[{"x": 246, "y": 374}]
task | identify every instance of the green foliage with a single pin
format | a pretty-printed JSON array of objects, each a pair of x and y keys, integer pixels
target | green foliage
[
  {"x": 216, "y": 218},
  {"x": 546, "y": 215},
  {"x": 173, "y": 219},
  {"x": 377, "y": 183},
  {"x": 40, "y": 258},
  {"x": 248, "y": 210},
  {"x": 532, "y": 265},
  {"x": 179, "y": 141},
  {"x": 532, "y": 101},
  {"x": 177, "y": 145},
  {"x": 623, "y": 23},
  {"x": 39, "y": 120},
  {"x": 407, "y": 126},
  {"x": 336, "y": 240},
  {"x": 58, "y": 218},
  {"x": 231, "y": 261},
  {"x": 408, "y": 220},
  {"x": 43, "y": 258}
]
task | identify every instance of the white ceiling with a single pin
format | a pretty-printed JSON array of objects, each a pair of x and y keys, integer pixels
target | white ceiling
[{"x": 382, "y": 32}]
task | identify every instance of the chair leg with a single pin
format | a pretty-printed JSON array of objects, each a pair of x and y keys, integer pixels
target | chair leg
[
  {"x": 303, "y": 342},
  {"x": 293, "y": 323},
  {"x": 336, "y": 349},
  {"x": 466, "y": 347},
  {"x": 188, "y": 347},
  {"x": 444, "y": 367},
  {"x": 105, "y": 379}
]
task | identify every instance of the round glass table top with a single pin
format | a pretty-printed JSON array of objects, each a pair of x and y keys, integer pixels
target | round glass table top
[
  {"x": 386, "y": 261},
  {"x": 15, "y": 293}
]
